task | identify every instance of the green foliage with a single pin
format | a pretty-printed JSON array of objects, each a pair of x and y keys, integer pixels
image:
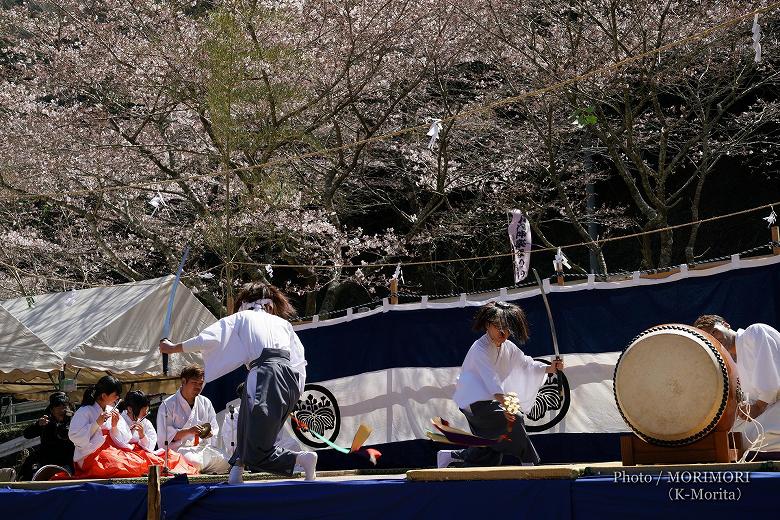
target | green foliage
[
  {"x": 246, "y": 90},
  {"x": 585, "y": 116}
]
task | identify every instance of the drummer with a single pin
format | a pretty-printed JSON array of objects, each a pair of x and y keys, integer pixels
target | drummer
[{"x": 756, "y": 351}]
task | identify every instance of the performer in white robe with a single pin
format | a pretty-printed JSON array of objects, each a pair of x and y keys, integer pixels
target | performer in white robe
[
  {"x": 756, "y": 351},
  {"x": 134, "y": 407},
  {"x": 101, "y": 437},
  {"x": 260, "y": 337},
  {"x": 180, "y": 421},
  {"x": 494, "y": 366}
]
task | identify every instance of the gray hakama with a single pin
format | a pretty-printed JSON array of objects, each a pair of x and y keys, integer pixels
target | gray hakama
[
  {"x": 486, "y": 419},
  {"x": 262, "y": 416}
]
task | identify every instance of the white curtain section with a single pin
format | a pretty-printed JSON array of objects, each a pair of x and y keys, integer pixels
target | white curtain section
[{"x": 399, "y": 403}]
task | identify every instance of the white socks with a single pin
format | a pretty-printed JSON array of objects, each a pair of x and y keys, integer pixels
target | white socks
[
  {"x": 308, "y": 461},
  {"x": 443, "y": 458},
  {"x": 236, "y": 475}
]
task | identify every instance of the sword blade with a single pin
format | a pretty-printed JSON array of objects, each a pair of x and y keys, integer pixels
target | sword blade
[
  {"x": 166, "y": 330},
  {"x": 549, "y": 313}
]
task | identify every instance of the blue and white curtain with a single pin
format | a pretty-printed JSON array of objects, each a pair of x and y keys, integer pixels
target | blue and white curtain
[{"x": 395, "y": 367}]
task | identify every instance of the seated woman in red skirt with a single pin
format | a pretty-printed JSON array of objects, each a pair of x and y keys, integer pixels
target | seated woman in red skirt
[
  {"x": 143, "y": 438},
  {"x": 101, "y": 437}
]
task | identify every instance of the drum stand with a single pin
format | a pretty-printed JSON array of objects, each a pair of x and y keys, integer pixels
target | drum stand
[{"x": 714, "y": 447}]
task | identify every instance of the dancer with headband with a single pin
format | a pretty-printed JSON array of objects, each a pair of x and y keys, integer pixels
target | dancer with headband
[{"x": 259, "y": 336}]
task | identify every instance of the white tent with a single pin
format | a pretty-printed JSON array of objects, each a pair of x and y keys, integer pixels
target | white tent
[{"x": 91, "y": 332}]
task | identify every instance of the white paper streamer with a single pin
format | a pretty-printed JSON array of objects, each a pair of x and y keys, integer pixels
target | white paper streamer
[
  {"x": 772, "y": 218},
  {"x": 157, "y": 202},
  {"x": 560, "y": 260},
  {"x": 399, "y": 274},
  {"x": 757, "y": 39},
  {"x": 433, "y": 133}
]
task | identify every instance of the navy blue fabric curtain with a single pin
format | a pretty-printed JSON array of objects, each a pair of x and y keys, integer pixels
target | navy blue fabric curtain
[{"x": 587, "y": 321}]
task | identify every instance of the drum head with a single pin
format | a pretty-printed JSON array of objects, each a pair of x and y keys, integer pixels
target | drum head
[{"x": 670, "y": 385}]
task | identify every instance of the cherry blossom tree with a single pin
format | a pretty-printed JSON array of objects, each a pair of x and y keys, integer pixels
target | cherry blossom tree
[{"x": 275, "y": 133}]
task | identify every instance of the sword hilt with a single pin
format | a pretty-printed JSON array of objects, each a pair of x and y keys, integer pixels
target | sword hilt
[{"x": 558, "y": 377}]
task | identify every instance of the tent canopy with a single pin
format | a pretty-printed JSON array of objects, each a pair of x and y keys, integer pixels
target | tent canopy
[{"x": 91, "y": 332}]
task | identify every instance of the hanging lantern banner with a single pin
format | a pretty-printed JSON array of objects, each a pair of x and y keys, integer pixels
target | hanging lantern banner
[{"x": 520, "y": 238}]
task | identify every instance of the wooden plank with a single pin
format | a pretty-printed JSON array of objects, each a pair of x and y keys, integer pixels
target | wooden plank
[
  {"x": 662, "y": 274},
  {"x": 610, "y": 468},
  {"x": 712, "y": 448},
  {"x": 627, "y": 450},
  {"x": 153, "y": 494},
  {"x": 497, "y": 473},
  {"x": 708, "y": 265},
  {"x": 394, "y": 291},
  {"x": 17, "y": 444}
]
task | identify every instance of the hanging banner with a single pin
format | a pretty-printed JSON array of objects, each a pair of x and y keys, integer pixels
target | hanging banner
[{"x": 520, "y": 238}]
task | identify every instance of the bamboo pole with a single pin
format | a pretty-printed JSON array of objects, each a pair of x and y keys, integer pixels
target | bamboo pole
[{"x": 153, "y": 496}]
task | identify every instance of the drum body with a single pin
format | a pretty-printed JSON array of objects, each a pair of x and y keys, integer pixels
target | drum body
[
  {"x": 48, "y": 471},
  {"x": 674, "y": 384}
]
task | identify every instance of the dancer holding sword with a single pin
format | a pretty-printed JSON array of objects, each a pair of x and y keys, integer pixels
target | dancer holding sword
[{"x": 493, "y": 369}]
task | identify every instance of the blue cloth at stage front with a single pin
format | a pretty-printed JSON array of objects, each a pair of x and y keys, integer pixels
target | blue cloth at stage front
[
  {"x": 390, "y": 499},
  {"x": 601, "y": 498},
  {"x": 594, "y": 497},
  {"x": 116, "y": 502},
  {"x": 176, "y": 495}
]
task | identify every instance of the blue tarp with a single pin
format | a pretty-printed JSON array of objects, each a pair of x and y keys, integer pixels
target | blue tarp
[{"x": 595, "y": 497}]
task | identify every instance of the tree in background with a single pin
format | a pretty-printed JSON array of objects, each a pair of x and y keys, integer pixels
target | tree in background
[{"x": 130, "y": 128}]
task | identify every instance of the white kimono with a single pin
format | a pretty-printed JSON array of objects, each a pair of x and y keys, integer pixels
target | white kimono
[
  {"x": 149, "y": 439},
  {"x": 758, "y": 364},
  {"x": 240, "y": 338},
  {"x": 176, "y": 414},
  {"x": 229, "y": 432},
  {"x": 487, "y": 371},
  {"x": 87, "y": 436}
]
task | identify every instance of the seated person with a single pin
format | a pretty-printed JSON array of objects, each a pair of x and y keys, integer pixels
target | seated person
[
  {"x": 101, "y": 437},
  {"x": 135, "y": 407},
  {"x": 756, "y": 352},
  {"x": 56, "y": 448},
  {"x": 187, "y": 422},
  {"x": 228, "y": 433}
]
